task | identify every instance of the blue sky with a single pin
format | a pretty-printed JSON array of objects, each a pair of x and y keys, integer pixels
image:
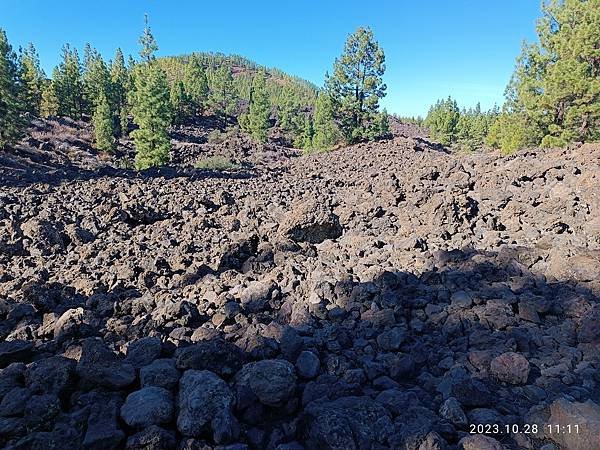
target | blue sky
[{"x": 433, "y": 48}]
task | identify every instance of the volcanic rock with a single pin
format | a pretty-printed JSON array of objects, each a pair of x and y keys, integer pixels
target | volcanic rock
[{"x": 206, "y": 402}]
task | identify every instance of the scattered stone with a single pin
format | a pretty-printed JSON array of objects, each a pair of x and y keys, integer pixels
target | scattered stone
[
  {"x": 452, "y": 411},
  {"x": 11, "y": 377},
  {"x": 433, "y": 441},
  {"x": 391, "y": 340},
  {"x": 271, "y": 382},
  {"x": 349, "y": 422},
  {"x": 153, "y": 437},
  {"x": 397, "y": 400},
  {"x": 479, "y": 442},
  {"x": 469, "y": 391},
  {"x": 589, "y": 328},
  {"x": 143, "y": 351},
  {"x": 380, "y": 296},
  {"x": 102, "y": 429},
  {"x": 69, "y": 324},
  {"x": 98, "y": 366},
  {"x": 311, "y": 221},
  {"x": 15, "y": 351},
  {"x": 41, "y": 410},
  {"x": 148, "y": 406},
  {"x": 53, "y": 375},
  {"x": 14, "y": 401},
  {"x": 461, "y": 299},
  {"x": 308, "y": 365},
  {"x": 510, "y": 367},
  {"x": 256, "y": 296},
  {"x": 206, "y": 403},
  {"x": 12, "y": 427},
  {"x": 216, "y": 355},
  {"x": 578, "y": 423},
  {"x": 161, "y": 373}
]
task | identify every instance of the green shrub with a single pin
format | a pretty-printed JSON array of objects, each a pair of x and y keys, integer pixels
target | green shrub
[
  {"x": 217, "y": 162},
  {"x": 125, "y": 163},
  {"x": 218, "y": 136}
]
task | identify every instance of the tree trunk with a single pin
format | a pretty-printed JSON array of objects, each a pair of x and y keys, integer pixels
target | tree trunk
[{"x": 583, "y": 129}]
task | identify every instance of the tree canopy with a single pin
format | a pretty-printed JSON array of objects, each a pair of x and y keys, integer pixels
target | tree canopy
[
  {"x": 260, "y": 108},
  {"x": 356, "y": 85},
  {"x": 32, "y": 80},
  {"x": 555, "y": 89},
  {"x": 11, "y": 122},
  {"x": 151, "y": 107}
]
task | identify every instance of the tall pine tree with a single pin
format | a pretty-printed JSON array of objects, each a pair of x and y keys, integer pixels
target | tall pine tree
[
  {"x": 68, "y": 84},
  {"x": 96, "y": 78},
  {"x": 288, "y": 109},
  {"x": 196, "y": 84},
  {"x": 11, "y": 122},
  {"x": 148, "y": 43},
  {"x": 382, "y": 128},
  {"x": 120, "y": 85},
  {"x": 555, "y": 88},
  {"x": 326, "y": 133},
  {"x": 260, "y": 108},
  {"x": 179, "y": 102},
  {"x": 442, "y": 120},
  {"x": 356, "y": 84},
  {"x": 32, "y": 80},
  {"x": 49, "y": 105},
  {"x": 305, "y": 139},
  {"x": 151, "y": 108},
  {"x": 103, "y": 124},
  {"x": 222, "y": 97}
]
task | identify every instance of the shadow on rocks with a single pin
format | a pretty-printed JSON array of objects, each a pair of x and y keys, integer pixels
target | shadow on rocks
[
  {"x": 25, "y": 173},
  {"x": 402, "y": 360}
]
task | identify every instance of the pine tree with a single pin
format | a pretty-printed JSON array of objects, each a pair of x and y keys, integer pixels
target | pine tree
[
  {"x": 179, "y": 102},
  {"x": 555, "y": 86},
  {"x": 103, "y": 124},
  {"x": 148, "y": 43},
  {"x": 32, "y": 80},
  {"x": 243, "y": 122},
  {"x": 480, "y": 123},
  {"x": 119, "y": 79},
  {"x": 69, "y": 85},
  {"x": 11, "y": 122},
  {"x": 151, "y": 108},
  {"x": 49, "y": 105},
  {"x": 88, "y": 55},
  {"x": 260, "y": 108},
  {"x": 129, "y": 94},
  {"x": 305, "y": 139},
  {"x": 196, "y": 84},
  {"x": 222, "y": 97},
  {"x": 441, "y": 121},
  {"x": 357, "y": 85},
  {"x": 463, "y": 131},
  {"x": 512, "y": 131},
  {"x": 326, "y": 133},
  {"x": 383, "y": 125},
  {"x": 288, "y": 109},
  {"x": 96, "y": 78}
]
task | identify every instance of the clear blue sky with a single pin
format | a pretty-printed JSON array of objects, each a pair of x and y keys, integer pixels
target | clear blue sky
[{"x": 433, "y": 48}]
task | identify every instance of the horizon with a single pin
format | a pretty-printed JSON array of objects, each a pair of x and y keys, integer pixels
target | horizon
[{"x": 472, "y": 61}]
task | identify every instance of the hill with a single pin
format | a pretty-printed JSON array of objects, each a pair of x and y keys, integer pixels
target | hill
[{"x": 302, "y": 91}]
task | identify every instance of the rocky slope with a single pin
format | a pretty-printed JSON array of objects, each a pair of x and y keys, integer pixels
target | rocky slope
[{"x": 386, "y": 295}]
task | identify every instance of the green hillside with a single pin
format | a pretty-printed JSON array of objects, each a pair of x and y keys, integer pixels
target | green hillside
[{"x": 280, "y": 85}]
